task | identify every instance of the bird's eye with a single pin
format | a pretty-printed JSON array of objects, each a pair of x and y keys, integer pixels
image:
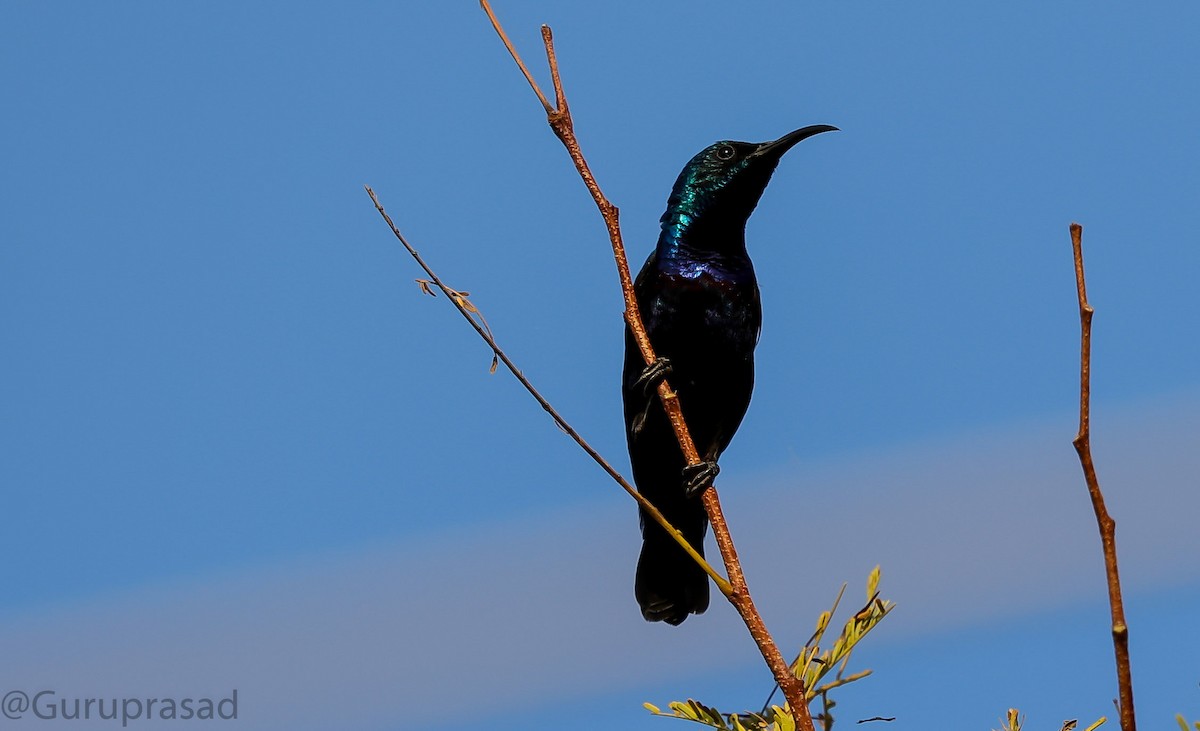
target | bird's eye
[{"x": 725, "y": 152}]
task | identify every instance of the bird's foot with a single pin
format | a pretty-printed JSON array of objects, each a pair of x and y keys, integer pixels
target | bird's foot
[
  {"x": 654, "y": 374},
  {"x": 699, "y": 477}
]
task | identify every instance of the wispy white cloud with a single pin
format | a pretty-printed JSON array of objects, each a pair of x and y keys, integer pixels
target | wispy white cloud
[
  {"x": 987, "y": 525},
  {"x": 992, "y": 523}
]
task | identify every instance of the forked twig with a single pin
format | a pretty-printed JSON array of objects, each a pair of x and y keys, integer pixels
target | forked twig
[
  {"x": 470, "y": 313},
  {"x": 1108, "y": 526},
  {"x": 559, "y": 118}
]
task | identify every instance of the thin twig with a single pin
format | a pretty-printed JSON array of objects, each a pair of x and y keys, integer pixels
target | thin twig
[
  {"x": 521, "y": 64},
  {"x": 469, "y": 312},
  {"x": 1108, "y": 526},
  {"x": 560, "y": 121}
]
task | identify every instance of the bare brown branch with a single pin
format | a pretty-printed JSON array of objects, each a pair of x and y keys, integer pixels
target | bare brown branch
[
  {"x": 475, "y": 318},
  {"x": 738, "y": 594},
  {"x": 1108, "y": 527}
]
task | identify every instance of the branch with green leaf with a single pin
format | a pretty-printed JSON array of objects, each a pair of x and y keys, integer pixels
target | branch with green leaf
[{"x": 812, "y": 666}]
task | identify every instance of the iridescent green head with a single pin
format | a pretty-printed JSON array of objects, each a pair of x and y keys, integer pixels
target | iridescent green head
[{"x": 721, "y": 185}]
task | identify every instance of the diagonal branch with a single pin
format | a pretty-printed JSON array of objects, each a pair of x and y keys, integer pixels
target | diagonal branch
[
  {"x": 1108, "y": 526},
  {"x": 560, "y": 121},
  {"x": 469, "y": 312}
]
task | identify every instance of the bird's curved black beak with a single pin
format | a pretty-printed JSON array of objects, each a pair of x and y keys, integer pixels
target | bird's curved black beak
[{"x": 776, "y": 148}]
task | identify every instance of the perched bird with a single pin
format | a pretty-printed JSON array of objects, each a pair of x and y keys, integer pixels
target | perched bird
[{"x": 699, "y": 301}]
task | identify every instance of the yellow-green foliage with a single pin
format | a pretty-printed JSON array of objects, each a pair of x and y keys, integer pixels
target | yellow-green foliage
[
  {"x": 1014, "y": 721},
  {"x": 812, "y": 666}
]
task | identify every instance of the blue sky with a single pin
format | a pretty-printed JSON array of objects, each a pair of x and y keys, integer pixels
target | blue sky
[{"x": 243, "y": 450}]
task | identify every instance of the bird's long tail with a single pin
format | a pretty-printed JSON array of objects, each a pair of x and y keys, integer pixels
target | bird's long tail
[{"x": 669, "y": 584}]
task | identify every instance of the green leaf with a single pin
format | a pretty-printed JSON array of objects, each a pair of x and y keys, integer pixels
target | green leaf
[{"x": 784, "y": 721}]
